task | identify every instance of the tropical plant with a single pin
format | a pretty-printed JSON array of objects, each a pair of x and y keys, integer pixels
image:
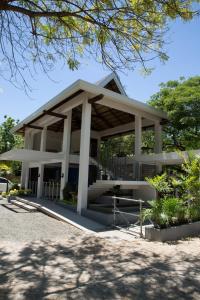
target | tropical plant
[
  {"x": 166, "y": 212},
  {"x": 162, "y": 185},
  {"x": 191, "y": 183},
  {"x": 5, "y": 169}
]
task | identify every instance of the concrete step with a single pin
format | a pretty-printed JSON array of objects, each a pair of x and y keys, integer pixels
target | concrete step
[{"x": 27, "y": 207}]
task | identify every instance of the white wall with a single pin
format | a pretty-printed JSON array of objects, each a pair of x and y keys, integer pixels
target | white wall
[
  {"x": 36, "y": 141},
  {"x": 53, "y": 144},
  {"x": 54, "y": 141}
]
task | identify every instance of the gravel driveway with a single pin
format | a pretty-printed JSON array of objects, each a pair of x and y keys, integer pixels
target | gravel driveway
[
  {"x": 25, "y": 226},
  {"x": 41, "y": 258}
]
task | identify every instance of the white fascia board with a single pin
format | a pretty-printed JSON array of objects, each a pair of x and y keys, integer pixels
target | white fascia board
[
  {"x": 55, "y": 100},
  {"x": 94, "y": 89}
]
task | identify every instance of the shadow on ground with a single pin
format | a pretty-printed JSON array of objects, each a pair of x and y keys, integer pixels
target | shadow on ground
[{"x": 92, "y": 268}]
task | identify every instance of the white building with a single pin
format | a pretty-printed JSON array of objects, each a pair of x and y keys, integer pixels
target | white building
[{"x": 63, "y": 137}]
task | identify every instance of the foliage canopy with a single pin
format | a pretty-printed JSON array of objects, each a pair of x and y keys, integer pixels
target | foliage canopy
[
  {"x": 181, "y": 100},
  {"x": 119, "y": 34}
]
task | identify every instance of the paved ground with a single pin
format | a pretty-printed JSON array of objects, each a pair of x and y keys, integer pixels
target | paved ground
[
  {"x": 67, "y": 265},
  {"x": 25, "y": 226}
]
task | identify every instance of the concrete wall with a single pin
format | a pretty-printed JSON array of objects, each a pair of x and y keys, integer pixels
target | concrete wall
[
  {"x": 145, "y": 194},
  {"x": 36, "y": 141},
  {"x": 54, "y": 141}
]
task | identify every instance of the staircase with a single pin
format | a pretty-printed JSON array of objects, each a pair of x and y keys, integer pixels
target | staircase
[
  {"x": 23, "y": 205},
  {"x": 98, "y": 188}
]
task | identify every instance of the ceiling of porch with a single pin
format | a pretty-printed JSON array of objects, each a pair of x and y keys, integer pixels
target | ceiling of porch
[{"x": 103, "y": 118}]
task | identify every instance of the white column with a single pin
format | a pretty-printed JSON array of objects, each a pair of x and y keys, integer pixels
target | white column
[
  {"x": 41, "y": 166},
  {"x": 66, "y": 151},
  {"x": 25, "y": 165},
  {"x": 158, "y": 137},
  {"x": 138, "y": 146},
  {"x": 158, "y": 143},
  {"x": 84, "y": 156},
  {"x": 138, "y": 135}
]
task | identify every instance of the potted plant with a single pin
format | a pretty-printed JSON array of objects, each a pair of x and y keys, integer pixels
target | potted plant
[{"x": 12, "y": 195}]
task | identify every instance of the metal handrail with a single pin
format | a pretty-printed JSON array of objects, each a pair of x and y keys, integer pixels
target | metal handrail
[{"x": 122, "y": 213}]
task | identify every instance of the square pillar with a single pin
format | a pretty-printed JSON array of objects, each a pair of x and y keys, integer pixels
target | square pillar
[
  {"x": 84, "y": 156},
  {"x": 138, "y": 135},
  {"x": 138, "y": 146},
  {"x": 41, "y": 166},
  {"x": 158, "y": 143},
  {"x": 28, "y": 139},
  {"x": 158, "y": 137},
  {"x": 66, "y": 151}
]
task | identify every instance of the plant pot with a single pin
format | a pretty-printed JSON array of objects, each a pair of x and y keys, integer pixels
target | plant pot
[
  {"x": 173, "y": 233},
  {"x": 9, "y": 198}
]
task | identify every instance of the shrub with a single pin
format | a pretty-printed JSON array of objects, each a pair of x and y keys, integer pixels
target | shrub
[
  {"x": 166, "y": 212},
  {"x": 193, "y": 213},
  {"x": 15, "y": 186},
  {"x": 161, "y": 184},
  {"x": 24, "y": 192},
  {"x": 13, "y": 192},
  {"x": 175, "y": 210},
  {"x": 67, "y": 192}
]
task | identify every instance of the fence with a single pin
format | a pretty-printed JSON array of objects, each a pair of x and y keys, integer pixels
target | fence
[
  {"x": 32, "y": 185},
  {"x": 51, "y": 190},
  {"x": 123, "y": 214}
]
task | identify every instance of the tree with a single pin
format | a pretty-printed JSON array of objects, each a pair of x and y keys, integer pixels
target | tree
[
  {"x": 180, "y": 99},
  {"x": 119, "y": 34},
  {"x": 8, "y": 141}
]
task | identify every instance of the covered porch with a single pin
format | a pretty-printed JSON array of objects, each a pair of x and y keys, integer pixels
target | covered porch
[{"x": 71, "y": 130}]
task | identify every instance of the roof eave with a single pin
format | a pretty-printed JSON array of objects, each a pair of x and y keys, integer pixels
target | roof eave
[{"x": 93, "y": 89}]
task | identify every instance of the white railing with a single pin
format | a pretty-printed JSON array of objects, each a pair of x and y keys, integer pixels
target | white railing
[
  {"x": 51, "y": 190},
  {"x": 123, "y": 214}
]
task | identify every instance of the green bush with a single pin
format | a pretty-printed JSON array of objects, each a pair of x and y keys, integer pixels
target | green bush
[
  {"x": 67, "y": 192},
  {"x": 162, "y": 184},
  {"x": 175, "y": 210},
  {"x": 15, "y": 186},
  {"x": 193, "y": 213},
  {"x": 166, "y": 212}
]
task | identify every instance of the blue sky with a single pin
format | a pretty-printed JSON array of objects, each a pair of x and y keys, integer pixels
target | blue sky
[{"x": 184, "y": 60}]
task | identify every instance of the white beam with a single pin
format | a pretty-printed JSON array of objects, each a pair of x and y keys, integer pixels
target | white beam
[
  {"x": 68, "y": 106},
  {"x": 124, "y": 128},
  {"x": 128, "y": 109},
  {"x": 66, "y": 151},
  {"x": 84, "y": 156}
]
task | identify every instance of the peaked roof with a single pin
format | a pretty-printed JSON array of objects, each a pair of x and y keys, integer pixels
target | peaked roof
[
  {"x": 113, "y": 83},
  {"x": 81, "y": 86}
]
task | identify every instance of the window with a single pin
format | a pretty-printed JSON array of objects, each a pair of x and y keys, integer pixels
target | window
[{"x": 3, "y": 180}]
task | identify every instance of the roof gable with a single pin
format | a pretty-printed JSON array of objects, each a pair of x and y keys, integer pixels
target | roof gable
[{"x": 113, "y": 83}]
